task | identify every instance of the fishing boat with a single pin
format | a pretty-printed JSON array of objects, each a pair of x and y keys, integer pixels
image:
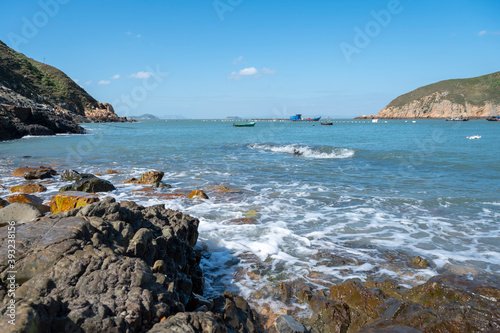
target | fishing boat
[
  {"x": 326, "y": 123},
  {"x": 298, "y": 117},
  {"x": 250, "y": 124},
  {"x": 493, "y": 118}
]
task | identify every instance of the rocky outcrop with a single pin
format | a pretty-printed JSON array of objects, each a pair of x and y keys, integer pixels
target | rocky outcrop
[
  {"x": 437, "y": 106},
  {"x": 39, "y": 99},
  {"x": 90, "y": 184},
  {"x": 107, "y": 268},
  {"x": 477, "y": 97},
  {"x": 445, "y": 303},
  {"x": 16, "y": 122}
]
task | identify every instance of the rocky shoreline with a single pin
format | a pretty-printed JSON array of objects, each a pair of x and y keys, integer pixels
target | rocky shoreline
[{"x": 87, "y": 263}]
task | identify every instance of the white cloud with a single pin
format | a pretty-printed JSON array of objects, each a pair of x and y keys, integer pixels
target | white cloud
[
  {"x": 251, "y": 71},
  {"x": 237, "y": 60},
  {"x": 482, "y": 33},
  {"x": 268, "y": 71},
  {"x": 116, "y": 77},
  {"x": 88, "y": 83},
  {"x": 138, "y": 36},
  {"x": 248, "y": 71},
  {"x": 141, "y": 75},
  {"x": 102, "y": 82}
]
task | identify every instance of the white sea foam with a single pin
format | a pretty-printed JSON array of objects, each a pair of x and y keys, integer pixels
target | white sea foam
[{"x": 306, "y": 151}]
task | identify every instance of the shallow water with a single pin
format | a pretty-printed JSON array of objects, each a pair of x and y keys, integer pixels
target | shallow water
[{"x": 316, "y": 203}]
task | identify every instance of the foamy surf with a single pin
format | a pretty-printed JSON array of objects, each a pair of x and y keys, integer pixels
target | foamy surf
[{"x": 322, "y": 152}]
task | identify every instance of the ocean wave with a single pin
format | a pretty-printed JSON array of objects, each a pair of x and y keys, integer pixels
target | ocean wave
[{"x": 322, "y": 152}]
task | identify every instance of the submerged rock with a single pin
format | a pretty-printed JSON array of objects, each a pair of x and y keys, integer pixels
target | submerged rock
[{"x": 198, "y": 194}]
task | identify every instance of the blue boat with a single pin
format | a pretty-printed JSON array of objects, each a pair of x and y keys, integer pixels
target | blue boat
[{"x": 298, "y": 117}]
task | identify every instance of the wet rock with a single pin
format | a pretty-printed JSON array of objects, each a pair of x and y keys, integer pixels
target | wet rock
[
  {"x": 286, "y": 324},
  {"x": 150, "y": 177},
  {"x": 22, "y": 171},
  {"x": 38, "y": 174},
  {"x": 419, "y": 263},
  {"x": 198, "y": 194},
  {"x": 65, "y": 201},
  {"x": 73, "y": 175},
  {"x": 90, "y": 185},
  {"x": 112, "y": 172},
  {"x": 18, "y": 212},
  {"x": 24, "y": 198},
  {"x": 28, "y": 188},
  {"x": 239, "y": 316}
]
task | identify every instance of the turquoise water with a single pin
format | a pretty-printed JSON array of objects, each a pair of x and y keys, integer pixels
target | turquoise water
[{"x": 373, "y": 194}]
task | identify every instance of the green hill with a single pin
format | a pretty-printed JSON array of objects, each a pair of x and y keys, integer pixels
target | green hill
[
  {"x": 477, "y": 97},
  {"x": 42, "y": 83},
  {"x": 476, "y": 91}
]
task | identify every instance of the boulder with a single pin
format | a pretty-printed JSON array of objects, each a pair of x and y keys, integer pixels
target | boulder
[
  {"x": 28, "y": 188},
  {"x": 90, "y": 185},
  {"x": 24, "y": 198},
  {"x": 21, "y": 172},
  {"x": 150, "y": 177},
  {"x": 70, "y": 175},
  {"x": 18, "y": 212},
  {"x": 112, "y": 172},
  {"x": 191, "y": 322},
  {"x": 65, "y": 201},
  {"x": 198, "y": 194}
]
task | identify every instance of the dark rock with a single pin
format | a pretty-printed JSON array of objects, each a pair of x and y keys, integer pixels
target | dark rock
[
  {"x": 38, "y": 174},
  {"x": 70, "y": 175},
  {"x": 3, "y": 203},
  {"x": 191, "y": 322},
  {"x": 286, "y": 324},
  {"x": 90, "y": 185}
]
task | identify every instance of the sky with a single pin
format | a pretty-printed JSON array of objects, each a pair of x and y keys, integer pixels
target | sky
[{"x": 255, "y": 58}]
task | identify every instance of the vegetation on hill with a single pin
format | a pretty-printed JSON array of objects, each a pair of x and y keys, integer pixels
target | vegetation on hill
[
  {"x": 41, "y": 82},
  {"x": 475, "y": 91}
]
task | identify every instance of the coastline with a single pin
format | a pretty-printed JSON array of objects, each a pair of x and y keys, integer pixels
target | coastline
[{"x": 338, "y": 308}]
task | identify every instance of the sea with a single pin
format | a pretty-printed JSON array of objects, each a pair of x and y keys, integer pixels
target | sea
[{"x": 301, "y": 202}]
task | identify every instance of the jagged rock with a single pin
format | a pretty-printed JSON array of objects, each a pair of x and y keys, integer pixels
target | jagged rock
[
  {"x": 76, "y": 270},
  {"x": 74, "y": 176},
  {"x": 65, "y": 201},
  {"x": 28, "y": 188},
  {"x": 198, "y": 194},
  {"x": 286, "y": 324},
  {"x": 18, "y": 212},
  {"x": 191, "y": 322},
  {"x": 90, "y": 185}
]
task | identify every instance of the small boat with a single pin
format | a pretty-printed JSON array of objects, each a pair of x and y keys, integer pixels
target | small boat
[
  {"x": 493, "y": 118},
  {"x": 250, "y": 124},
  {"x": 326, "y": 123},
  {"x": 298, "y": 117}
]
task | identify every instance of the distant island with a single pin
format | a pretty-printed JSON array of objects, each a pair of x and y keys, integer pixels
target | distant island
[
  {"x": 477, "y": 97},
  {"x": 145, "y": 116},
  {"x": 38, "y": 99}
]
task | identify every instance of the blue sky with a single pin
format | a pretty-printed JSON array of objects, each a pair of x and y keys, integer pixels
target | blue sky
[{"x": 255, "y": 58}]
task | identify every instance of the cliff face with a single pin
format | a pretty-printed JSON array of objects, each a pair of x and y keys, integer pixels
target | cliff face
[
  {"x": 25, "y": 82},
  {"x": 477, "y": 97}
]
